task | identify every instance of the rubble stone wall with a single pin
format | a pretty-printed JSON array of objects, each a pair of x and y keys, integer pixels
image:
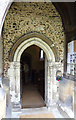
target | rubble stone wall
[{"x": 23, "y": 18}]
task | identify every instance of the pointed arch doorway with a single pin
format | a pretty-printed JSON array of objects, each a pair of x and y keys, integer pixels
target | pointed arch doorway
[
  {"x": 32, "y": 77},
  {"x": 51, "y": 94}
]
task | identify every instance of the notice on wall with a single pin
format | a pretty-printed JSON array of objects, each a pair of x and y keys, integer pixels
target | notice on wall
[
  {"x": 74, "y": 45},
  {"x": 71, "y": 57},
  {"x": 70, "y": 47}
]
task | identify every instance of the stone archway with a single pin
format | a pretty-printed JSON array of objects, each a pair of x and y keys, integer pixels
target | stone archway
[{"x": 51, "y": 67}]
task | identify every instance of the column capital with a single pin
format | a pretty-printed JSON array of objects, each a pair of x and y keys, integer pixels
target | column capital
[
  {"x": 54, "y": 64},
  {"x": 16, "y": 64}
]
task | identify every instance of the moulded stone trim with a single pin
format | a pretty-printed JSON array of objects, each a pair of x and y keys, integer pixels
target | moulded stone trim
[{"x": 33, "y": 35}]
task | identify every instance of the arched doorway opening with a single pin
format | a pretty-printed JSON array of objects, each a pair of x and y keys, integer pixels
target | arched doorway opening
[
  {"x": 32, "y": 77},
  {"x": 51, "y": 67}
]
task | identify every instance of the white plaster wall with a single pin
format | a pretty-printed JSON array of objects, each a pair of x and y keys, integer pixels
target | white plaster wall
[
  {"x": 2, "y": 103},
  {"x": 4, "y": 6},
  {"x": 3, "y": 12}
]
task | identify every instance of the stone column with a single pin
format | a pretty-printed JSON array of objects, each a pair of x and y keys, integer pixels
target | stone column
[
  {"x": 49, "y": 84},
  {"x": 17, "y": 105},
  {"x": 52, "y": 84},
  {"x": 11, "y": 75},
  {"x": 17, "y": 81},
  {"x": 14, "y": 77}
]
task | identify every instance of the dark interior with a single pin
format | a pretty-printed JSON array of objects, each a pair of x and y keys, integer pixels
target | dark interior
[{"x": 33, "y": 70}]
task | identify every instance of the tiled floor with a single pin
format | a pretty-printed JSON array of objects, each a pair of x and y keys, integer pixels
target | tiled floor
[{"x": 31, "y": 97}]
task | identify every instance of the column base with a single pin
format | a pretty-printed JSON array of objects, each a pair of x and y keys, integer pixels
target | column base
[
  {"x": 16, "y": 107},
  {"x": 51, "y": 105}
]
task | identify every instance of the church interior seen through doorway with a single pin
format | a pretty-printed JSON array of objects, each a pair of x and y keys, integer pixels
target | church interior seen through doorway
[{"x": 32, "y": 77}]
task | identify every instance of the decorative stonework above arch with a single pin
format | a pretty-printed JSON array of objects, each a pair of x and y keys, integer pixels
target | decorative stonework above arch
[{"x": 29, "y": 36}]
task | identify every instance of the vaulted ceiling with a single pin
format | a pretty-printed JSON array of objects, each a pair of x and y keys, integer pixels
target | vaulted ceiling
[{"x": 67, "y": 11}]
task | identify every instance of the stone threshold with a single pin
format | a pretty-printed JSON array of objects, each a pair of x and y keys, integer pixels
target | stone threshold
[{"x": 34, "y": 111}]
